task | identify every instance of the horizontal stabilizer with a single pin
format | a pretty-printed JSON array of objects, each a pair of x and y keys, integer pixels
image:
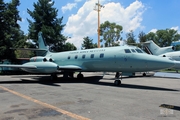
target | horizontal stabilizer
[
  {"x": 19, "y": 66},
  {"x": 70, "y": 67}
]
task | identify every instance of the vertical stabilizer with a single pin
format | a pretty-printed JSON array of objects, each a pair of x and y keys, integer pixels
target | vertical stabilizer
[
  {"x": 151, "y": 47},
  {"x": 41, "y": 42},
  {"x": 154, "y": 49},
  {"x": 43, "y": 48}
]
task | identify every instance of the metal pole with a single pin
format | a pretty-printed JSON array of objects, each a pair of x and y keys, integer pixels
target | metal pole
[
  {"x": 98, "y": 30},
  {"x": 98, "y": 26}
]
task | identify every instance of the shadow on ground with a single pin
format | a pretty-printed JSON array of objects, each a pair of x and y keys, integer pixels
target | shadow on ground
[{"x": 46, "y": 80}]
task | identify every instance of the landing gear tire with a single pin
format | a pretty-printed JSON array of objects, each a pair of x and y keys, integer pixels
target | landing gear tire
[
  {"x": 80, "y": 76},
  {"x": 144, "y": 74},
  {"x": 71, "y": 74},
  {"x": 65, "y": 75},
  {"x": 117, "y": 82},
  {"x": 53, "y": 76}
]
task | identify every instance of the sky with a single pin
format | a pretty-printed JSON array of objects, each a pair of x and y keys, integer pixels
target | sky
[{"x": 137, "y": 15}]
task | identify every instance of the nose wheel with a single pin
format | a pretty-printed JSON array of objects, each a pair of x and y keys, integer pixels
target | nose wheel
[
  {"x": 118, "y": 76},
  {"x": 117, "y": 82}
]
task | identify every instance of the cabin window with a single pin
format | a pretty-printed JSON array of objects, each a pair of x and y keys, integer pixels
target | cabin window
[
  {"x": 69, "y": 57},
  {"x": 76, "y": 57},
  {"x": 83, "y": 56},
  {"x": 101, "y": 55},
  {"x": 139, "y": 51},
  {"x": 133, "y": 50},
  {"x": 92, "y": 55},
  {"x": 127, "y": 51}
]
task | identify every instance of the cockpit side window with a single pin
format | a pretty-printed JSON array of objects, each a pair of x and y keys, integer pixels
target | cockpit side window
[
  {"x": 127, "y": 51},
  {"x": 133, "y": 50},
  {"x": 139, "y": 51}
]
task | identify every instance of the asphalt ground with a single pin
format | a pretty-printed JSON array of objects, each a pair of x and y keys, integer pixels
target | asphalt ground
[{"x": 36, "y": 97}]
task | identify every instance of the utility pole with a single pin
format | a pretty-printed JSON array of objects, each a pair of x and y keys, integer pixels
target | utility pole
[{"x": 97, "y": 8}]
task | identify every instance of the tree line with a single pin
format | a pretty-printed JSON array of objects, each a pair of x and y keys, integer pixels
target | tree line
[
  {"x": 44, "y": 18},
  {"x": 111, "y": 35}
]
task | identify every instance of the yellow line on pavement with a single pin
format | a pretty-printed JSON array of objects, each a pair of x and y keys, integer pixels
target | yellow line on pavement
[{"x": 46, "y": 105}]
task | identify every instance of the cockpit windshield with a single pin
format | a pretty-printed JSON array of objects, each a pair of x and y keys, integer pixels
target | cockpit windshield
[
  {"x": 135, "y": 50},
  {"x": 139, "y": 50},
  {"x": 127, "y": 51}
]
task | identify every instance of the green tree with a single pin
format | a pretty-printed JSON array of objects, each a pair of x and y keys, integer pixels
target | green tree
[
  {"x": 142, "y": 37},
  {"x": 45, "y": 20},
  {"x": 69, "y": 46},
  {"x": 111, "y": 32},
  {"x": 88, "y": 43},
  {"x": 23, "y": 43},
  {"x": 151, "y": 36},
  {"x": 164, "y": 38},
  {"x": 2, "y": 30},
  {"x": 10, "y": 29},
  {"x": 130, "y": 38}
]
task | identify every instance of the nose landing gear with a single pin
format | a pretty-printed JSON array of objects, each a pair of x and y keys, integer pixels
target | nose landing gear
[{"x": 118, "y": 78}]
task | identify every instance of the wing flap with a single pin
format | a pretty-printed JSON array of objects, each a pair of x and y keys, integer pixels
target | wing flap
[{"x": 70, "y": 67}]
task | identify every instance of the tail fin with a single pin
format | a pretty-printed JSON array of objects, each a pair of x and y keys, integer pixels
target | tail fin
[
  {"x": 151, "y": 47},
  {"x": 41, "y": 42},
  {"x": 43, "y": 48}
]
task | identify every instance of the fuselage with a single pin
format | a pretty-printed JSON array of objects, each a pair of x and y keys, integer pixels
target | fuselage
[{"x": 111, "y": 59}]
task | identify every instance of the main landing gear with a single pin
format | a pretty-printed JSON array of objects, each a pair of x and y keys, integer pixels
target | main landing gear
[
  {"x": 117, "y": 82},
  {"x": 65, "y": 75},
  {"x": 80, "y": 76},
  {"x": 53, "y": 76},
  {"x": 144, "y": 74}
]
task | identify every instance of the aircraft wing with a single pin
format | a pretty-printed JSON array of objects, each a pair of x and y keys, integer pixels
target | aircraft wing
[
  {"x": 67, "y": 67},
  {"x": 30, "y": 49},
  {"x": 19, "y": 66},
  {"x": 70, "y": 67}
]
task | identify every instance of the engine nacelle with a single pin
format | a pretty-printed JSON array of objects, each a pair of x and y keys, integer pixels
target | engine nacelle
[
  {"x": 41, "y": 59},
  {"x": 42, "y": 67}
]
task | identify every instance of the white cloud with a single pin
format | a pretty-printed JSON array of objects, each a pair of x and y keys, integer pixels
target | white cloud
[
  {"x": 153, "y": 30},
  {"x": 175, "y": 28},
  {"x": 69, "y": 6},
  {"x": 84, "y": 22}
]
